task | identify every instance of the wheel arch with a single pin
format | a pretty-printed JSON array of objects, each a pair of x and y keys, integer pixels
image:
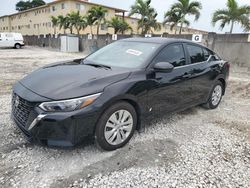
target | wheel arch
[{"x": 223, "y": 81}]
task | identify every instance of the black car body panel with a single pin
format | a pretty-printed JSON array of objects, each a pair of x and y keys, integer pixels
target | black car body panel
[
  {"x": 64, "y": 85},
  {"x": 152, "y": 93}
]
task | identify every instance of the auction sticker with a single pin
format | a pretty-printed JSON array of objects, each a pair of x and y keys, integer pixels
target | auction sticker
[{"x": 134, "y": 52}]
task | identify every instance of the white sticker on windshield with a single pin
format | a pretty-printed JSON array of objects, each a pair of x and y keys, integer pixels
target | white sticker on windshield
[{"x": 134, "y": 52}]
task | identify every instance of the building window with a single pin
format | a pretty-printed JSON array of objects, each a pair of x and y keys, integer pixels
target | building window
[
  {"x": 53, "y": 8},
  {"x": 63, "y": 6},
  {"x": 104, "y": 27},
  {"x": 80, "y": 7}
]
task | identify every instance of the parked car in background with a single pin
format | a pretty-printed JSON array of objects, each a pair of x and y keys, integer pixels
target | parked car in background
[
  {"x": 111, "y": 92},
  {"x": 8, "y": 40}
]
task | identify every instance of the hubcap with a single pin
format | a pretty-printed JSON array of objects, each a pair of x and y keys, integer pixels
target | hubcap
[
  {"x": 216, "y": 96},
  {"x": 118, "y": 127}
]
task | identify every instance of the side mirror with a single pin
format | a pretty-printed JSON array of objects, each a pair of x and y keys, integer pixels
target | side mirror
[{"x": 163, "y": 67}]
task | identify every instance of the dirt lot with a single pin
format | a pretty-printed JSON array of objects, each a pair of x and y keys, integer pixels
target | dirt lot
[{"x": 194, "y": 148}]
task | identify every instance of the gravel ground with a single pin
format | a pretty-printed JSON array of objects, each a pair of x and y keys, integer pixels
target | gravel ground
[{"x": 194, "y": 148}]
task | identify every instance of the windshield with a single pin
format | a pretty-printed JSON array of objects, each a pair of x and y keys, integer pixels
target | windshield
[{"x": 123, "y": 54}]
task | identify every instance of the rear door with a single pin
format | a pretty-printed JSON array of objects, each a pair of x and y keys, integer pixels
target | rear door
[
  {"x": 169, "y": 91},
  {"x": 201, "y": 72}
]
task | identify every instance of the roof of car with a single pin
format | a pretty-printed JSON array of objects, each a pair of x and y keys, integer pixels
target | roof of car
[{"x": 159, "y": 40}]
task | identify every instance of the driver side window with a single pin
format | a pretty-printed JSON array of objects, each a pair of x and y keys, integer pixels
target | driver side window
[{"x": 173, "y": 54}]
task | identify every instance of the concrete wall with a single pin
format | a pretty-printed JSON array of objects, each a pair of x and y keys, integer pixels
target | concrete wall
[
  {"x": 234, "y": 48},
  {"x": 85, "y": 45}
]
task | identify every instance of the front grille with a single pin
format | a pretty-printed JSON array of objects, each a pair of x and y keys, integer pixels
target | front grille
[{"x": 21, "y": 109}]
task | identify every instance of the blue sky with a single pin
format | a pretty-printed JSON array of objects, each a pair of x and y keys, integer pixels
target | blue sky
[{"x": 204, "y": 23}]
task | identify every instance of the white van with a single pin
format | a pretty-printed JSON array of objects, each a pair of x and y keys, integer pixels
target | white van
[{"x": 11, "y": 40}]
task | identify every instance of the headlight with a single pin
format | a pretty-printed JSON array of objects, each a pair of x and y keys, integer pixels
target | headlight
[{"x": 69, "y": 105}]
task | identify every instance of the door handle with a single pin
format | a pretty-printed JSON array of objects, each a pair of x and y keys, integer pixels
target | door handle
[{"x": 187, "y": 75}]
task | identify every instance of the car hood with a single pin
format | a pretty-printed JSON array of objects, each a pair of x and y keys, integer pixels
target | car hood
[{"x": 70, "y": 80}]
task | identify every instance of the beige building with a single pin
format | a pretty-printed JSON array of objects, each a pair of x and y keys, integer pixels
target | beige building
[{"x": 37, "y": 21}]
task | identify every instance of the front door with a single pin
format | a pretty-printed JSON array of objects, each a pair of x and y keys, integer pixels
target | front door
[{"x": 169, "y": 92}]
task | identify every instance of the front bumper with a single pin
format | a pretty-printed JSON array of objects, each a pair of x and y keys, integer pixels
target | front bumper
[{"x": 57, "y": 129}]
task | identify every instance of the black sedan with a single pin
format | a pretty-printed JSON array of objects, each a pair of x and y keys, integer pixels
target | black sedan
[{"x": 112, "y": 92}]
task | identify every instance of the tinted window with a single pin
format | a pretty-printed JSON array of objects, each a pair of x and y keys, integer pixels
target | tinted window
[
  {"x": 173, "y": 54},
  {"x": 207, "y": 53},
  {"x": 196, "y": 53}
]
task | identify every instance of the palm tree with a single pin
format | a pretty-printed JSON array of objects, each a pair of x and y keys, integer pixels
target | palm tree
[
  {"x": 82, "y": 24},
  {"x": 98, "y": 16},
  {"x": 90, "y": 22},
  {"x": 233, "y": 14},
  {"x": 125, "y": 27},
  {"x": 173, "y": 19},
  {"x": 63, "y": 23},
  {"x": 144, "y": 9},
  {"x": 148, "y": 23},
  {"x": 76, "y": 21},
  {"x": 54, "y": 21},
  {"x": 186, "y": 8},
  {"x": 119, "y": 25}
]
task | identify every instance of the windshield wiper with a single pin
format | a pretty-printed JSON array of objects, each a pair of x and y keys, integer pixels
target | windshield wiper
[{"x": 98, "y": 65}]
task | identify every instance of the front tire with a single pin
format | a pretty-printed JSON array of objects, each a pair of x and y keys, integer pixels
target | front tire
[
  {"x": 215, "y": 96},
  {"x": 116, "y": 126}
]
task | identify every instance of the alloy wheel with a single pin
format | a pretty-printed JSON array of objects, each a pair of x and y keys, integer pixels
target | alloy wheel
[
  {"x": 216, "y": 96},
  {"x": 118, "y": 127}
]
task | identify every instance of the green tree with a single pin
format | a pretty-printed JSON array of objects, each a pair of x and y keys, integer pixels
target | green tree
[
  {"x": 119, "y": 25},
  {"x": 75, "y": 20},
  {"x": 174, "y": 19},
  {"x": 144, "y": 9},
  {"x": 97, "y": 15},
  {"x": 54, "y": 21},
  {"x": 25, "y": 5},
  {"x": 233, "y": 14},
  {"x": 37, "y": 3},
  {"x": 149, "y": 23},
  {"x": 186, "y": 8},
  {"x": 63, "y": 23},
  {"x": 90, "y": 22}
]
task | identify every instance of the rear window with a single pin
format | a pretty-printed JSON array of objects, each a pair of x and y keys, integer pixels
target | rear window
[{"x": 196, "y": 53}]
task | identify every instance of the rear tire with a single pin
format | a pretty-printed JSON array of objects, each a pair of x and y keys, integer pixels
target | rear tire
[
  {"x": 116, "y": 126},
  {"x": 18, "y": 46},
  {"x": 215, "y": 96}
]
